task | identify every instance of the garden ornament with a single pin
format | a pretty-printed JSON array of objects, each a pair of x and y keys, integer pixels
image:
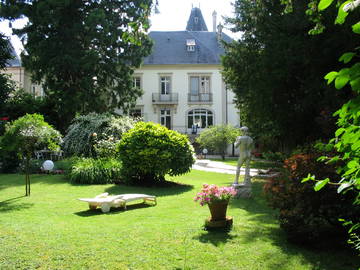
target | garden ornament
[
  {"x": 245, "y": 144},
  {"x": 48, "y": 165}
]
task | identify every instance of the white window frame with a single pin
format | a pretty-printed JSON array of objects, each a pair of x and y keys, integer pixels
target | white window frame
[
  {"x": 197, "y": 114},
  {"x": 165, "y": 114}
]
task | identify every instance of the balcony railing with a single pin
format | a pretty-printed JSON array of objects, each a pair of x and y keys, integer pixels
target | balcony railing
[
  {"x": 200, "y": 98},
  {"x": 158, "y": 98}
]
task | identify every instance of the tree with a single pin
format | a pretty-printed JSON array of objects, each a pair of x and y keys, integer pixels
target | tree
[
  {"x": 5, "y": 84},
  {"x": 347, "y": 136},
  {"x": 149, "y": 151},
  {"x": 83, "y": 52},
  {"x": 217, "y": 138},
  {"x": 27, "y": 134},
  {"x": 276, "y": 70}
]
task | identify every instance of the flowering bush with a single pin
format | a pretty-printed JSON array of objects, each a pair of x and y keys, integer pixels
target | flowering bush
[{"x": 212, "y": 193}]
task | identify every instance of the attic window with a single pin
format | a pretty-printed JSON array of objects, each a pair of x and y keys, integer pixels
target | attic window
[
  {"x": 190, "y": 45},
  {"x": 196, "y": 20}
]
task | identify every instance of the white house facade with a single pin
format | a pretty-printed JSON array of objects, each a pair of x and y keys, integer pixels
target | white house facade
[{"x": 182, "y": 82}]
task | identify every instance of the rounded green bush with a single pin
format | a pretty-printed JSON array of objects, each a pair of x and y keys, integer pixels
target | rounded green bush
[{"x": 149, "y": 151}]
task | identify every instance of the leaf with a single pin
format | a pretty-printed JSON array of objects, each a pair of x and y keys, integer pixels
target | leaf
[
  {"x": 340, "y": 19},
  {"x": 343, "y": 186},
  {"x": 346, "y": 57},
  {"x": 342, "y": 79},
  {"x": 331, "y": 76},
  {"x": 352, "y": 164},
  {"x": 319, "y": 185},
  {"x": 339, "y": 132},
  {"x": 324, "y": 4},
  {"x": 309, "y": 177},
  {"x": 356, "y": 28}
]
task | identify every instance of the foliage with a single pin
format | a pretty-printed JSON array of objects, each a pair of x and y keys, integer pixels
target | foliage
[
  {"x": 5, "y": 84},
  {"x": 95, "y": 134},
  {"x": 149, "y": 151},
  {"x": 83, "y": 52},
  {"x": 217, "y": 138},
  {"x": 27, "y": 134},
  {"x": 212, "y": 194},
  {"x": 275, "y": 70},
  {"x": 306, "y": 215},
  {"x": 347, "y": 141},
  {"x": 274, "y": 156},
  {"x": 95, "y": 171}
]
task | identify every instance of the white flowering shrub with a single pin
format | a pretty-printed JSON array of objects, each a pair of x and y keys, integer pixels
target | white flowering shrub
[{"x": 95, "y": 135}]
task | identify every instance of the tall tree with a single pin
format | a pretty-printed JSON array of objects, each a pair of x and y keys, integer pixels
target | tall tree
[
  {"x": 83, "y": 51},
  {"x": 5, "y": 84},
  {"x": 276, "y": 71}
]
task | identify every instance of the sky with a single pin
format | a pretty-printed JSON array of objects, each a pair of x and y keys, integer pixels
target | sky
[{"x": 173, "y": 16}]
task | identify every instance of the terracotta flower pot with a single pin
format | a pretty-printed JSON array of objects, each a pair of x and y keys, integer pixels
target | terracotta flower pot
[{"x": 218, "y": 210}]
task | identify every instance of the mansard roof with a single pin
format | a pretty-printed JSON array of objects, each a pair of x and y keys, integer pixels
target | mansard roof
[
  {"x": 196, "y": 21},
  {"x": 15, "y": 59},
  {"x": 170, "y": 48}
]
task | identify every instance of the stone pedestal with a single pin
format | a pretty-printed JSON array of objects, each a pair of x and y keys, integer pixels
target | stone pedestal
[
  {"x": 242, "y": 190},
  {"x": 215, "y": 224}
]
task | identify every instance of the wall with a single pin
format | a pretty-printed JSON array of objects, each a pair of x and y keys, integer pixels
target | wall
[{"x": 150, "y": 78}]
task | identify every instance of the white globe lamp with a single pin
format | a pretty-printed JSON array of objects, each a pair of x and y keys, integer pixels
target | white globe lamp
[{"x": 48, "y": 165}]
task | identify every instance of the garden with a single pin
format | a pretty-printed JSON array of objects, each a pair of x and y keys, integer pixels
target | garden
[{"x": 49, "y": 228}]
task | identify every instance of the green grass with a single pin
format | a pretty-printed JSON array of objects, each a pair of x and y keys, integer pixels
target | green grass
[
  {"x": 53, "y": 230},
  {"x": 254, "y": 164}
]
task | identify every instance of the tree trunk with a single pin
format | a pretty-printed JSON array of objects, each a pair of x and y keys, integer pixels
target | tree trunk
[{"x": 27, "y": 176}]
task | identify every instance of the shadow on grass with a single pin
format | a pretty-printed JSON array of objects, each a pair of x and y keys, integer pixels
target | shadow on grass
[
  {"x": 215, "y": 237},
  {"x": 167, "y": 189},
  {"x": 113, "y": 211},
  {"x": 12, "y": 180},
  {"x": 266, "y": 227},
  {"x": 14, "y": 205}
]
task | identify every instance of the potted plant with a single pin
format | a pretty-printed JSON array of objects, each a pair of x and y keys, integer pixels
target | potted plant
[{"x": 217, "y": 198}]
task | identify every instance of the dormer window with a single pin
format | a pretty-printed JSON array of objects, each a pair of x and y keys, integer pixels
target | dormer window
[
  {"x": 190, "y": 45},
  {"x": 196, "y": 20}
]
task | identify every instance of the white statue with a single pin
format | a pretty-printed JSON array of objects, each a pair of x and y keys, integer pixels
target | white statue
[{"x": 245, "y": 144}]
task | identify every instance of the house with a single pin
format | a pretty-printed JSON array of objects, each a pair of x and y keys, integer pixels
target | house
[
  {"x": 181, "y": 79},
  {"x": 20, "y": 76}
]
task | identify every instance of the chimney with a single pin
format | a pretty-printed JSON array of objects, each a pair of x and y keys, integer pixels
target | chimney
[
  {"x": 214, "y": 21},
  {"x": 219, "y": 32}
]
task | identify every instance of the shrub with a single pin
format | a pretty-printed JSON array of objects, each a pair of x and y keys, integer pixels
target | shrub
[
  {"x": 95, "y": 171},
  {"x": 306, "y": 215},
  {"x": 25, "y": 135},
  {"x": 149, "y": 151},
  {"x": 217, "y": 138},
  {"x": 88, "y": 130}
]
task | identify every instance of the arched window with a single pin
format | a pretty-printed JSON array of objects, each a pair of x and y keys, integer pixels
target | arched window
[{"x": 203, "y": 118}]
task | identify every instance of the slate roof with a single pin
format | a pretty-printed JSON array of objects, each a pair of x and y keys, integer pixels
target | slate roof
[
  {"x": 15, "y": 61},
  {"x": 170, "y": 48},
  {"x": 196, "y": 21}
]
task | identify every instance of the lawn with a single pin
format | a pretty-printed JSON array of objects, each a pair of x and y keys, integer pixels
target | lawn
[{"x": 53, "y": 230}]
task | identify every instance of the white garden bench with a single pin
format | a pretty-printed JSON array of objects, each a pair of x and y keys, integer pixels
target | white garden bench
[{"x": 105, "y": 202}]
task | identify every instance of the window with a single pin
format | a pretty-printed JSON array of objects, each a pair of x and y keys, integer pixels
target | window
[
  {"x": 137, "y": 82},
  {"x": 196, "y": 20},
  {"x": 165, "y": 85},
  {"x": 202, "y": 118},
  {"x": 165, "y": 118},
  {"x": 190, "y": 45},
  {"x": 199, "y": 85},
  {"x": 136, "y": 113},
  {"x": 33, "y": 90}
]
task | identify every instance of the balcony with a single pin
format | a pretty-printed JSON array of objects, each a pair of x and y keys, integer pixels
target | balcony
[
  {"x": 172, "y": 98},
  {"x": 202, "y": 98}
]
